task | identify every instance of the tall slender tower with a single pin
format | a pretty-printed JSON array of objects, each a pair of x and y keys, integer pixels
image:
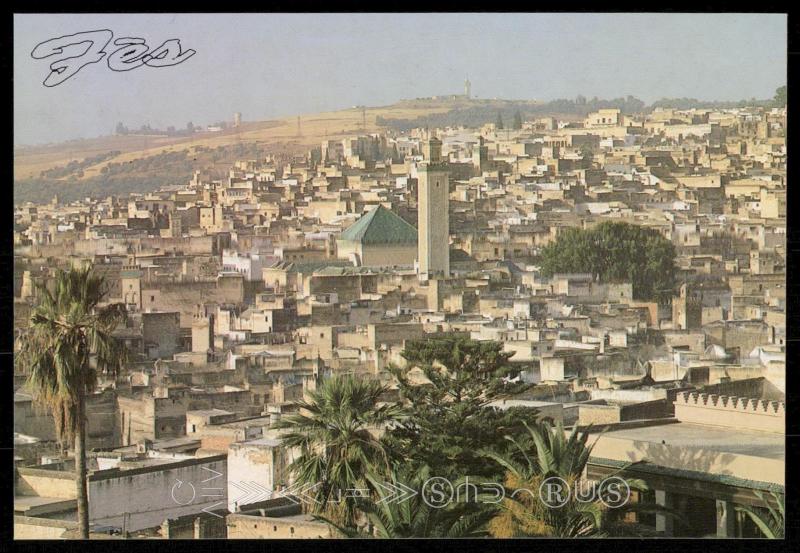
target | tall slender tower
[
  {"x": 467, "y": 87},
  {"x": 433, "y": 216}
]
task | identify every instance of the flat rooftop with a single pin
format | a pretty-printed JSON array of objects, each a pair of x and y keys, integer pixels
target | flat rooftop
[
  {"x": 164, "y": 444},
  {"x": 741, "y": 458},
  {"x": 259, "y": 442},
  {"x": 30, "y": 505},
  {"x": 244, "y": 423},
  {"x": 209, "y": 412},
  {"x": 710, "y": 438}
]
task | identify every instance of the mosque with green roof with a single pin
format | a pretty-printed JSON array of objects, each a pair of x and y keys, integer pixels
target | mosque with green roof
[{"x": 379, "y": 238}]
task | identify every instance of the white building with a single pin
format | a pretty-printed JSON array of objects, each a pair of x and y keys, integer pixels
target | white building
[{"x": 247, "y": 264}]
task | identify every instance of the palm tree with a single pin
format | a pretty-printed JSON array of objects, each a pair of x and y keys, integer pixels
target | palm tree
[
  {"x": 523, "y": 514},
  {"x": 390, "y": 514},
  {"x": 332, "y": 432},
  {"x": 771, "y": 522},
  {"x": 68, "y": 340},
  {"x": 547, "y": 452}
]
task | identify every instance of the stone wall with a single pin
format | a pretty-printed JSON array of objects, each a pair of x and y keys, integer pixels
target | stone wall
[
  {"x": 45, "y": 482},
  {"x": 388, "y": 255},
  {"x": 149, "y": 493},
  {"x": 162, "y": 328},
  {"x": 241, "y": 526},
  {"x": 206, "y": 526},
  {"x": 102, "y": 429},
  {"x": 750, "y": 387},
  {"x": 735, "y": 412},
  {"x": 184, "y": 297},
  {"x": 597, "y": 414},
  {"x": 137, "y": 419}
]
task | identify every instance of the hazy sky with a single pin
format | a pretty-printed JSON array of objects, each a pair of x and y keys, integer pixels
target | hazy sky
[{"x": 275, "y": 65}]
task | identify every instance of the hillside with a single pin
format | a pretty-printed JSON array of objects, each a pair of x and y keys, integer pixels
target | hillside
[
  {"x": 31, "y": 161},
  {"x": 136, "y": 163}
]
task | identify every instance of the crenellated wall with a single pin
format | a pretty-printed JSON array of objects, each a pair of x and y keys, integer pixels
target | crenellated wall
[{"x": 736, "y": 412}]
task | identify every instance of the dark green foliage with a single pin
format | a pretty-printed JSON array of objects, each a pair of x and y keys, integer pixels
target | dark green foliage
[
  {"x": 414, "y": 518},
  {"x": 690, "y": 103},
  {"x": 331, "y": 433},
  {"x": 615, "y": 252},
  {"x": 780, "y": 98},
  {"x": 448, "y": 421},
  {"x": 68, "y": 340},
  {"x": 74, "y": 167}
]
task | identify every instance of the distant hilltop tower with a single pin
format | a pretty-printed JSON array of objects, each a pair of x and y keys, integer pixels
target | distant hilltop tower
[
  {"x": 467, "y": 87},
  {"x": 237, "y": 119}
]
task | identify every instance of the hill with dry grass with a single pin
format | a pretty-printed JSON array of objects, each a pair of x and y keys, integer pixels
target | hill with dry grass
[{"x": 108, "y": 165}]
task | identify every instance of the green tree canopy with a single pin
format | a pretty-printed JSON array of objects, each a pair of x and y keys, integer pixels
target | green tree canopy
[
  {"x": 449, "y": 420},
  {"x": 413, "y": 517},
  {"x": 332, "y": 432},
  {"x": 69, "y": 339},
  {"x": 780, "y": 97},
  {"x": 546, "y": 451},
  {"x": 614, "y": 251}
]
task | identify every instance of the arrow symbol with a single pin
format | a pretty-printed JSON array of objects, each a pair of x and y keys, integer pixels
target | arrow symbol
[
  {"x": 261, "y": 492},
  {"x": 242, "y": 488},
  {"x": 288, "y": 493},
  {"x": 206, "y": 509},
  {"x": 253, "y": 492},
  {"x": 216, "y": 474},
  {"x": 406, "y": 492},
  {"x": 300, "y": 491},
  {"x": 399, "y": 492}
]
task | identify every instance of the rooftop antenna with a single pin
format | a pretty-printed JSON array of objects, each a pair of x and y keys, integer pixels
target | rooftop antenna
[{"x": 363, "y": 118}]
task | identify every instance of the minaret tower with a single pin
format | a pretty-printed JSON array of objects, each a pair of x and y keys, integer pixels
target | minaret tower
[{"x": 432, "y": 211}]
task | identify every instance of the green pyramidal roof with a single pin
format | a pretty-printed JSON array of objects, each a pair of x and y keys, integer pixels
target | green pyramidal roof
[{"x": 381, "y": 226}]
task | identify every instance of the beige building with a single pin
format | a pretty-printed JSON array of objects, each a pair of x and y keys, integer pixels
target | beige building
[
  {"x": 716, "y": 454},
  {"x": 255, "y": 526}
]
